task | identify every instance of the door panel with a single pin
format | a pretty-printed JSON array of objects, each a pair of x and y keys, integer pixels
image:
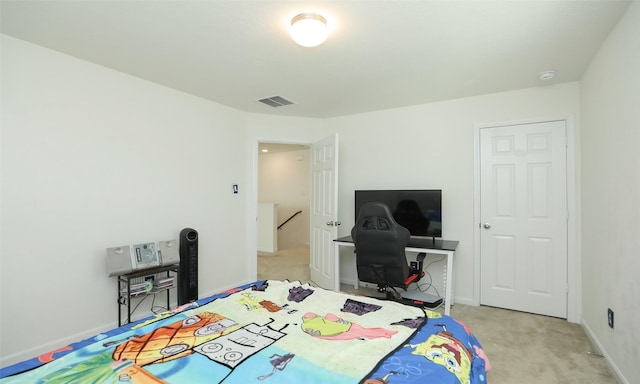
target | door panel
[
  {"x": 505, "y": 263},
  {"x": 523, "y": 241}
]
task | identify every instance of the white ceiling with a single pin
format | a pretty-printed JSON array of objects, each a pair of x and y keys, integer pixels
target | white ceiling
[{"x": 379, "y": 54}]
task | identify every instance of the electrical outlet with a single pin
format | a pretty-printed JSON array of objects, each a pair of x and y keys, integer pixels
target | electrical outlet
[{"x": 610, "y": 317}]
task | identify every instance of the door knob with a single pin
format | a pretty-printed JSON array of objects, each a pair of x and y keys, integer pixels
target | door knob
[
  {"x": 330, "y": 223},
  {"x": 486, "y": 225}
]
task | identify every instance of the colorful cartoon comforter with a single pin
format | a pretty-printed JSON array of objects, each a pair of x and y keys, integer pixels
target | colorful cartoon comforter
[{"x": 272, "y": 332}]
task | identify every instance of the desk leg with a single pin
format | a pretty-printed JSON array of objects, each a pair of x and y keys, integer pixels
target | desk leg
[
  {"x": 356, "y": 283},
  {"x": 336, "y": 267},
  {"x": 449, "y": 284}
]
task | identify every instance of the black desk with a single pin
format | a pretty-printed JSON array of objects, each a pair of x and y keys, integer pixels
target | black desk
[
  {"x": 437, "y": 246},
  {"x": 422, "y": 243}
]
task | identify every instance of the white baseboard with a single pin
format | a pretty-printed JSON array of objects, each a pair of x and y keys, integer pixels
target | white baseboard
[
  {"x": 612, "y": 366},
  {"x": 225, "y": 288},
  {"x": 30, "y": 353},
  {"x": 63, "y": 342},
  {"x": 349, "y": 281},
  {"x": 464, "y": 301}
]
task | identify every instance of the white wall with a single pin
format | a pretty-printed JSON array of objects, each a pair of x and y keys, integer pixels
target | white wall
[
  {"x": 431, "y": 146},
  {"x": 93, "y": 158},
  {"x": 610, "y": 100},
  {"x": 284, "y": 180},
  {"x": 267, "y": 224}
]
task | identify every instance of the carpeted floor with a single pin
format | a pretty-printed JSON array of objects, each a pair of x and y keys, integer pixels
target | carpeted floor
[{"x": 523, "y": 348}]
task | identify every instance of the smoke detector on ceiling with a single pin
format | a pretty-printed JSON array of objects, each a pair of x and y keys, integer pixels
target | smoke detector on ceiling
[{"x": 546, "y": 75}]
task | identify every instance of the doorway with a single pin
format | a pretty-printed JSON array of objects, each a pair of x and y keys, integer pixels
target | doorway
[
  {"x": 283, "y": 182},
  {"x": 323, "y": 211},
  {"x": 523, "y": 217}
]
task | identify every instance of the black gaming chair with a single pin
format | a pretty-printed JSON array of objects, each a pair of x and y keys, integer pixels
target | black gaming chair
[{"x": 379, "y": 247}]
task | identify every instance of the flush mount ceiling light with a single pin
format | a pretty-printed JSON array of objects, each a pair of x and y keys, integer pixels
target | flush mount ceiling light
[
  {"x": 546, "y": 75},
  {"x": 309, "y": 29}
]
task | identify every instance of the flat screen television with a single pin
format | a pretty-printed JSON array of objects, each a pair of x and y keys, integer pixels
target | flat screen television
[{"x": 420, "y": 211}]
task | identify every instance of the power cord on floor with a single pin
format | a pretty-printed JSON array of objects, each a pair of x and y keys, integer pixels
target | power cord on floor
[
  {"x": 137, "y": 305},
  {"x": 156, "y": 309}
]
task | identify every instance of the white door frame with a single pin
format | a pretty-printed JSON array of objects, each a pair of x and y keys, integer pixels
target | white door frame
[{"x": 574, "y": 265}]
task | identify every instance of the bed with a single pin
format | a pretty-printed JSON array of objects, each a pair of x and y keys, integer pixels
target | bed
[{"x": 271, "y": 332}]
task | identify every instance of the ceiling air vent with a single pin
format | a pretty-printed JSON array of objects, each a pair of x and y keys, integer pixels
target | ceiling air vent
[{"x": 275, "y": 101}]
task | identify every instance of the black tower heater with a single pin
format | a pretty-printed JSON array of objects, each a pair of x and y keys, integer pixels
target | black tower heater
[{"x": 188, "y": 281}]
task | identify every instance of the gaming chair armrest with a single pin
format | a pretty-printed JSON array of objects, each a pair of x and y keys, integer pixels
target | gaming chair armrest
[{"x": 416, "y": 274}]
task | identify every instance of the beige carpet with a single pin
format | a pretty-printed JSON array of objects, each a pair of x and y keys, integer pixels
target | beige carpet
[{"x": 523, "y": 348}]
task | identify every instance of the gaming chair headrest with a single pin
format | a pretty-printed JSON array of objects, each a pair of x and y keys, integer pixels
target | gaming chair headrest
[{"x": 377, "y": 217}]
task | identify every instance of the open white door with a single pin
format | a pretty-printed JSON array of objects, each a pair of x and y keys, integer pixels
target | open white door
[{"x": 324, "y": 212}]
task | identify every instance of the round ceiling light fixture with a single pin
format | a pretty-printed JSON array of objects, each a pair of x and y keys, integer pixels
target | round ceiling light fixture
[
  {"x": 309, "y": 29},
  {"x": 546, "y": 75}
]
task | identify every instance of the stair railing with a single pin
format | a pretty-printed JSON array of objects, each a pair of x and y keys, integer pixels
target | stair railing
[{"x": 289, "y": 219}]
